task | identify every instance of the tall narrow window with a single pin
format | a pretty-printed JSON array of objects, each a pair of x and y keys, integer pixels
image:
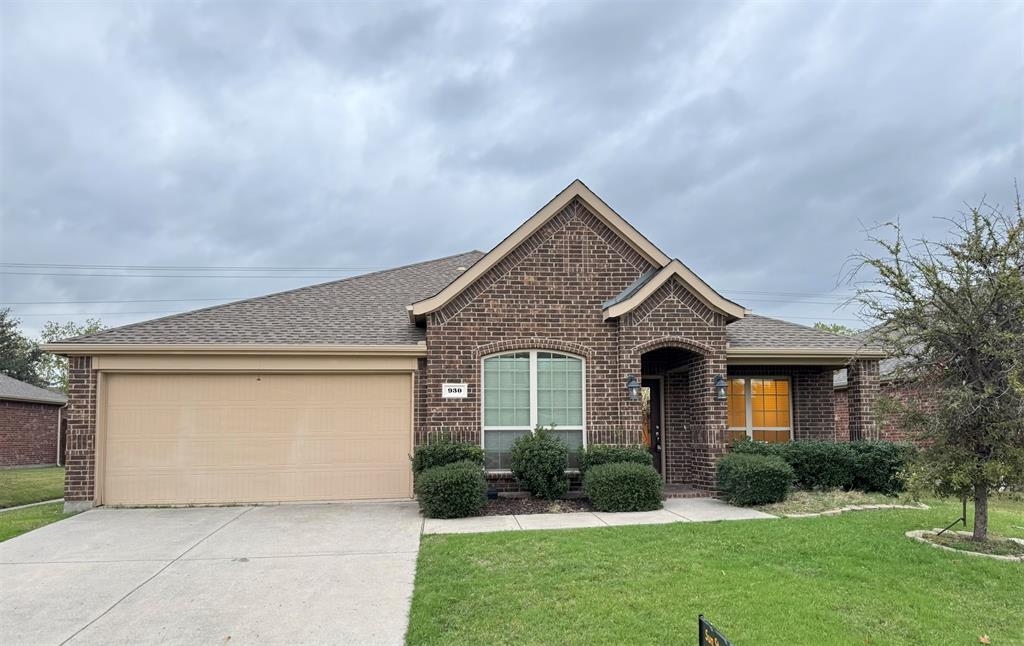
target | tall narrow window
[
  {"x": 522, "y": 390},
  {"x": 759, "y": 408}
]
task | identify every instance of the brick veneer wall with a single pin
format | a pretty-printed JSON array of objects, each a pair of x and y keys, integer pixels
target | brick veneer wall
[
  {"x": 888, "y": 429},
  {"x": 80, "y": 465},
  {"x": 862, "y": 391},
  {"x": 545, "y": 295},
  {"x": 842, "y": 406},
  {"x": 28, "y": 433}
]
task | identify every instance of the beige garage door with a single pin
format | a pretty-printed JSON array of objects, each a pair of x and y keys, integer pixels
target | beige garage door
[{"x": 223, "y": 438}]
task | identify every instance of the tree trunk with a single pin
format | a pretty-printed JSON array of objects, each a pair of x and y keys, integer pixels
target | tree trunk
[{"x": 980, "y": 512}]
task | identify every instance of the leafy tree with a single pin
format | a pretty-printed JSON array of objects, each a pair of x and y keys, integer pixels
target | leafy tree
[
  {"x": 19, "y": 355},
  {"x": 835, "y": 328},
  {"x": 953, "y": 313},
  {"x": 54, "y": 368}
]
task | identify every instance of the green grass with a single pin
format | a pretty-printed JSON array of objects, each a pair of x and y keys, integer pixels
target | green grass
[
  {"x": 24, "y": 486},
  {"x": 846, "y": 579},
  {"x": 19, "y": 521}
]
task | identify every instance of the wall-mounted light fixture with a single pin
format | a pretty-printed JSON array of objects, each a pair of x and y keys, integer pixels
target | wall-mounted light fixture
[
  {"x": 720, "y": 388},
  {"x": 633, "y": 387}
]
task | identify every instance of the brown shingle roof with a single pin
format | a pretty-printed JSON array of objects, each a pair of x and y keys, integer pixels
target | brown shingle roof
[
  {"x": 755, "y": 331},
  {"x": 362, "y": 310},
  {"x": 371, "y": 310},
  {"x": 11, "y": 388}
]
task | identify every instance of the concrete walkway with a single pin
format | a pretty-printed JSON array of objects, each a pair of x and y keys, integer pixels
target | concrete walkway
[
  {"x": 287, "y": 574},
  {"x": 676, "y": 510}
]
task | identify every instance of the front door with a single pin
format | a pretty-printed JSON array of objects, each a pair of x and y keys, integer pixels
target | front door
[{"x": 652, "y": 420}]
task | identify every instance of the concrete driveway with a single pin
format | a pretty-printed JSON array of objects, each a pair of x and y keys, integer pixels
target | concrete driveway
[{"x": 288, "y": 574}]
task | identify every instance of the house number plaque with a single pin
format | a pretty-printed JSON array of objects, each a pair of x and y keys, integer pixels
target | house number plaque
[{"x": 454, "y": 391}]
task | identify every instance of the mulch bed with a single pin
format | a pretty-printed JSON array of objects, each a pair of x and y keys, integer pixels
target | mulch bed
[{"x": 520, "y": 506}]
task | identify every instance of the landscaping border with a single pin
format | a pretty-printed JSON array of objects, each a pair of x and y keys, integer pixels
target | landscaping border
[
  {"x": 841, "y": 510},
  {"x": 919, "y": 536}
]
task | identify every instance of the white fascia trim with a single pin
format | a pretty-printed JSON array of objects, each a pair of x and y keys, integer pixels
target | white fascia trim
[{"x": 77, "y": 349}]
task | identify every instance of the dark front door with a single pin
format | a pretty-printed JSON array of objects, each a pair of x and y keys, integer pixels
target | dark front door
[{"x": 652, "y": 388}]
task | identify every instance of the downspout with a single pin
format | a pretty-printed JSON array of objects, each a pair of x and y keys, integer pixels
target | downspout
[{"x": 60, "y": 452}]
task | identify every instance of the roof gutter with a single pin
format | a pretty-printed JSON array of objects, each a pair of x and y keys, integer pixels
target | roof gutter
[
  {"x": 801, "y": 355},
  {"x": 81, "y": 349}
]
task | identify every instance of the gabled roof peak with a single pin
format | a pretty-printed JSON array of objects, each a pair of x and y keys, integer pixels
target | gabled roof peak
[
  {"x": 576, "y": 189},
  {"x": 639, "y": 292}
]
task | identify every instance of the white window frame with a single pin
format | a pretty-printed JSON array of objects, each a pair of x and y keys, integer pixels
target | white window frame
[
  {"x": 748, "y": 397},
  {"x": 533, "y": 398}
]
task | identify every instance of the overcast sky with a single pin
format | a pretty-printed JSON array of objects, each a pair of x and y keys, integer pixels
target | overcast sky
[{"x": 749, "y": 140}]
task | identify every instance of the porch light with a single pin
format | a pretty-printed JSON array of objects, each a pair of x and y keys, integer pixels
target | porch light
[
  {"x": 633, "y": 387},
  {"x": 720, "y": 385}
]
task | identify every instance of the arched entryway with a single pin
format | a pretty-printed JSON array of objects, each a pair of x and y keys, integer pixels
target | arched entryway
[{"x": 681, "y": 413}]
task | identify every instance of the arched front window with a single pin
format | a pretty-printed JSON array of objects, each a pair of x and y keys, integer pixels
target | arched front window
[{"x": 530, "y": 388}]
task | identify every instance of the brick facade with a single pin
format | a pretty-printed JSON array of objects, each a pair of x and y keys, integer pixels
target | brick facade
[
  {"x": 888, "y": 429},
  {"x": 80, "y": 465},
  {"x": 545, "y": 295},
  {"x": 28, "y": 433},
  {"x": 862, "y": 391}
]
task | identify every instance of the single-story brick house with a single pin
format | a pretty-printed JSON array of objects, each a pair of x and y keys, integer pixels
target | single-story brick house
[
  {"x": 321, "y": 393},
  {"x": 29, "y": 423}
]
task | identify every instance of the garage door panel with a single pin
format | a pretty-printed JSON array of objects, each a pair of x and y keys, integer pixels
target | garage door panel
[{"x": 180, "y": 439}]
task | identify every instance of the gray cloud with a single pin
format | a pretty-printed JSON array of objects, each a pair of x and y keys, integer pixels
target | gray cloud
[{"x": 750, "y": 140}]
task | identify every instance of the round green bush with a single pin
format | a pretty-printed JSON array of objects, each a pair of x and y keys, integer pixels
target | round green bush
[
  {"x": 623, "y": 486},
  {"x": 607, "y": 453},
  {"x": 452, "y": 490},
  {"x": 820, "y": 464},
  {"x": 441, "y": 449},
  {"x": 879, "y": 466},
  {"x": 745, "y": 479},
  {"x": 538, "y": 462}
]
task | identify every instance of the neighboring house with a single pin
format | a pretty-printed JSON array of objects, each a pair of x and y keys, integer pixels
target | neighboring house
[
  {"x": 321, "y": 393},
  {"x": 29, "y": 423}
]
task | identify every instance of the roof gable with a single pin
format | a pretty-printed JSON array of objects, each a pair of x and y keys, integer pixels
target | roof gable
[
  {"x": 576, "y": 189},
  {"x": 635, "y": 294}
]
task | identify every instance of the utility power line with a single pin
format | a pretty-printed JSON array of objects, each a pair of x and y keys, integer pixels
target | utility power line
[{"x": 45, "y": 265}]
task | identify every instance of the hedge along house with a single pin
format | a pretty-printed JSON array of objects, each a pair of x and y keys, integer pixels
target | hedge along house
[{"x": 321, "y": 393}]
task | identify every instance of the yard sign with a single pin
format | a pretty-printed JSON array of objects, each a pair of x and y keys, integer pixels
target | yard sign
[{"x": 709, "y": 635}]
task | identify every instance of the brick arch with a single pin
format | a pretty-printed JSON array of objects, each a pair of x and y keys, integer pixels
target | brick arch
[
  {"x": 674, "y": 342},
  {"x": 533, "y": 343}
]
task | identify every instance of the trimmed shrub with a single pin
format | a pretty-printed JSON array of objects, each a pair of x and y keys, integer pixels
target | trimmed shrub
[
  {"x": 538, "y": 462},
  {"x": 750, "y": 447},
  {"x": 879, "y": 466},
  {"x": 819, "y": 464},
  {"x": 453, "y": 490},
  {"x": 745, "y": 479},
  {"x": 606, "y": 454},
  {"x": 623, "y": 486},
  {"x": 441, "y": 450}
]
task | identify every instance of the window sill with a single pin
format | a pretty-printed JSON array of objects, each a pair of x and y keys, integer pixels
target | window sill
[{"x": 497, "y": 473}]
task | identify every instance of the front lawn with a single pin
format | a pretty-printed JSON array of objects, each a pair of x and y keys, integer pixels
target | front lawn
[
  {"x": 24, "y": 486},
  {"x": 19, "y": 521},
  {"x": 846, "y": 579}
]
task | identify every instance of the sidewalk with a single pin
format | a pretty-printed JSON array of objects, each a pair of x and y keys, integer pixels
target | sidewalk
[{"x": 676, "y": 510}]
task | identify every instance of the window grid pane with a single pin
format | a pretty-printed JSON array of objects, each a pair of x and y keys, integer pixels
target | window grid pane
[
  {"x": 737, "y": 397},
  {"x": 769, "y": 403},
  {"x": 559, "y": 390},
  {"x": 507, "y": 390}
]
